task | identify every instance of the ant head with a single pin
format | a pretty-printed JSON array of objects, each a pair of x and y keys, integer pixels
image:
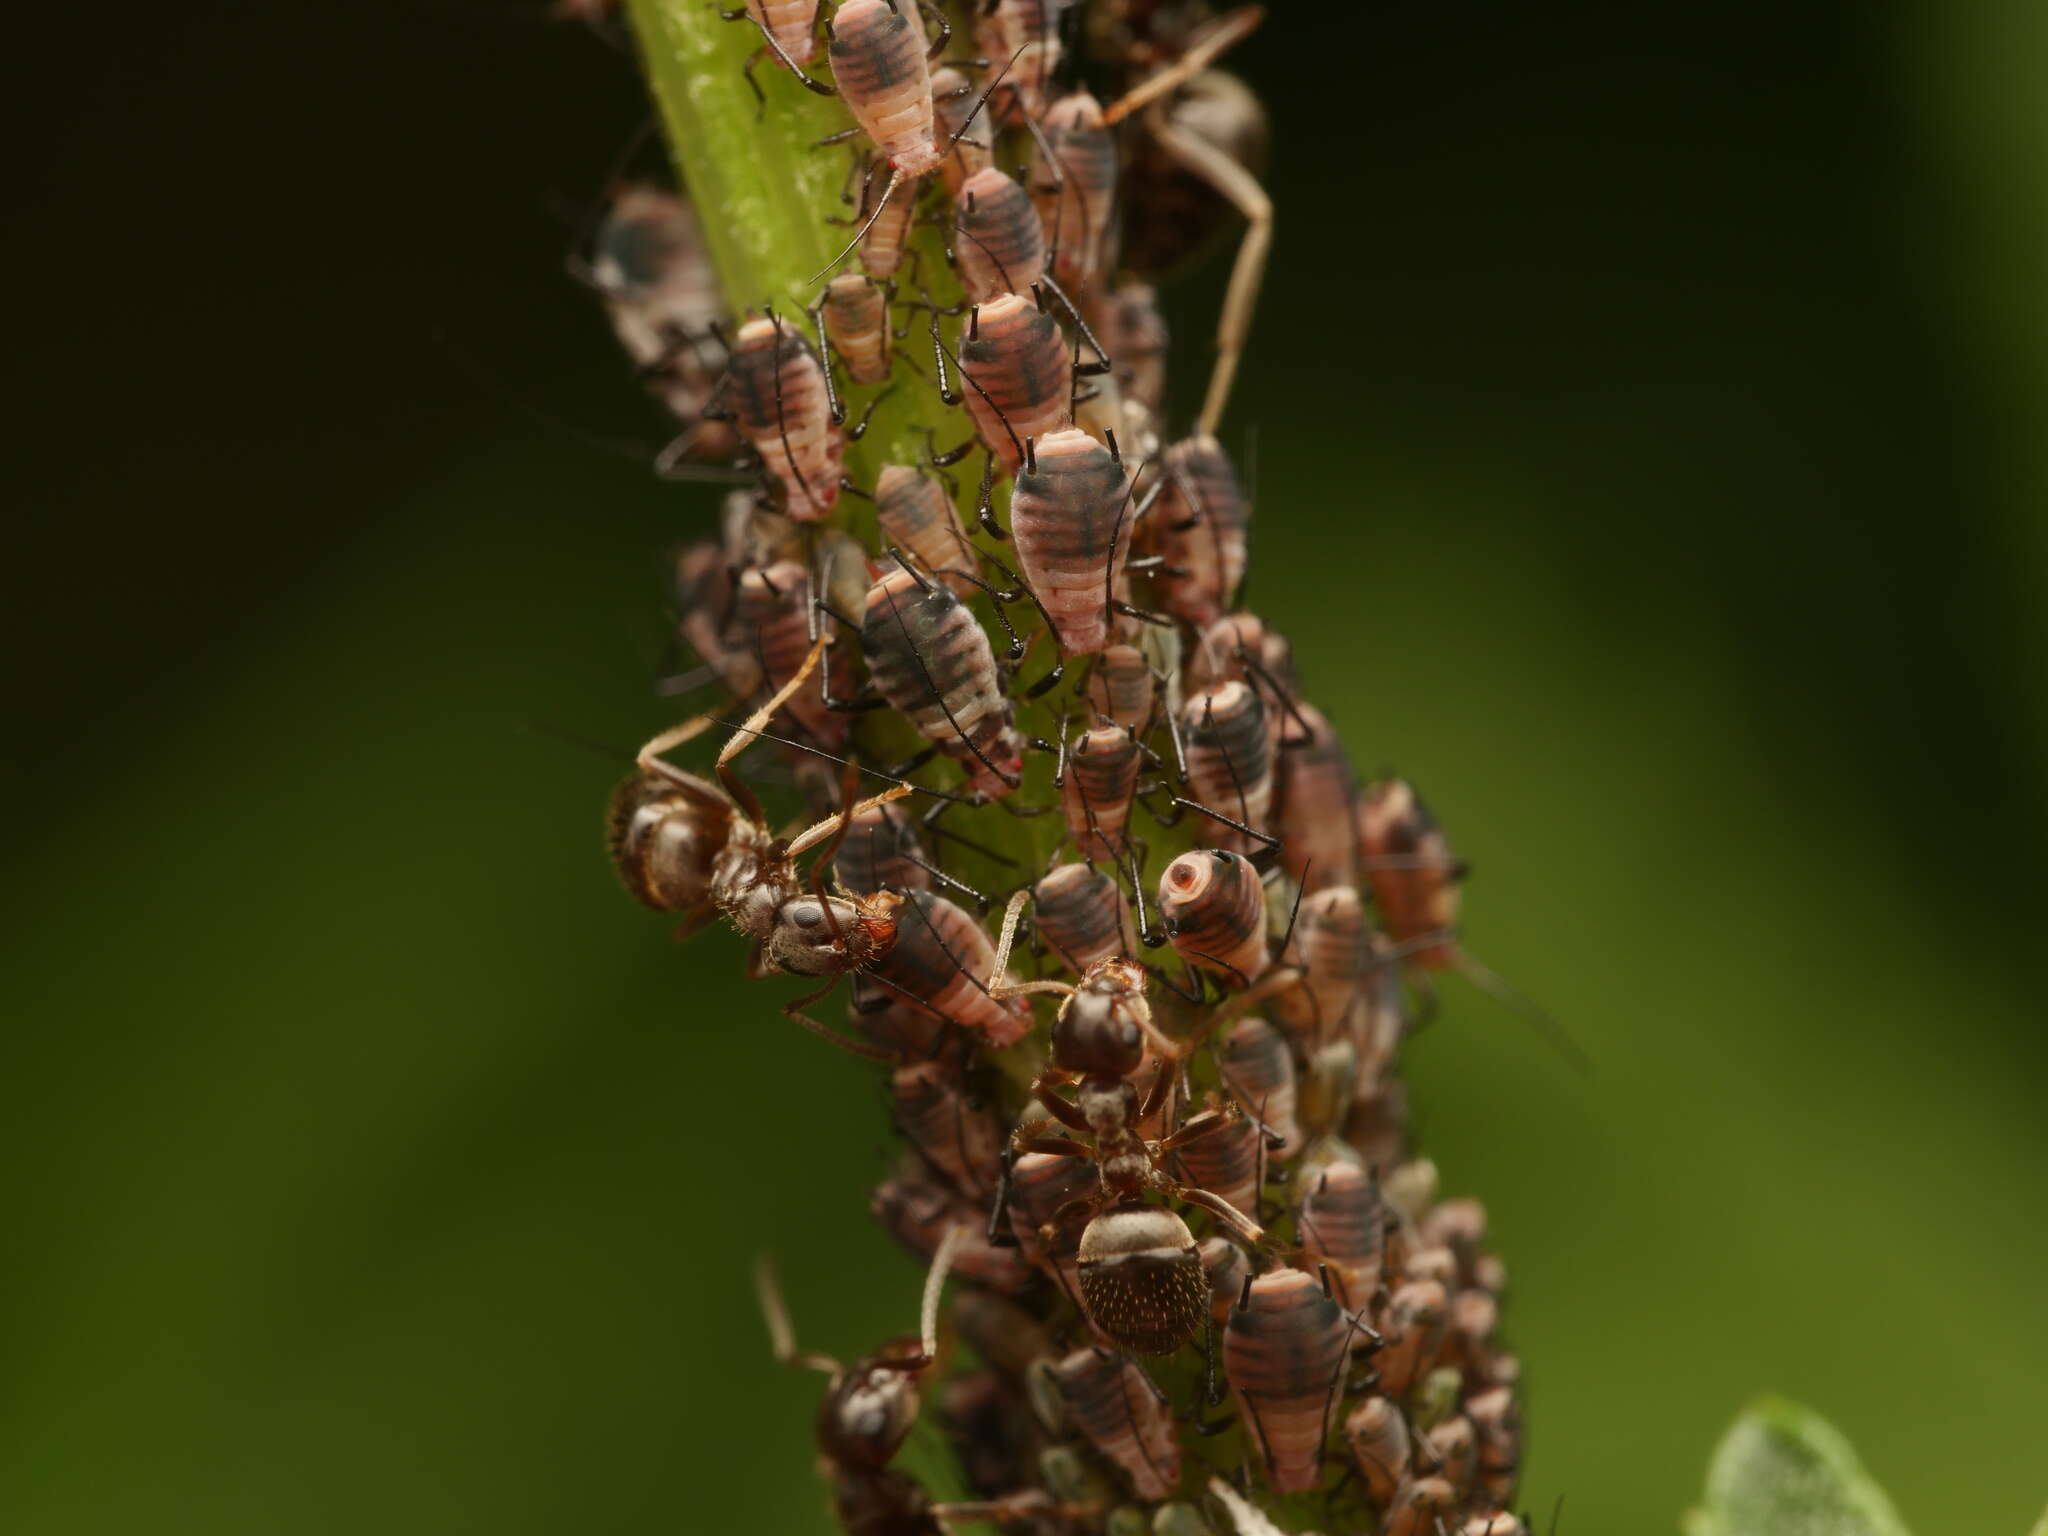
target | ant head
[
  {"x": 868, "y": 1414},
  {"x": 809, "y": 940},
  {"x": 1100, "y": 1032}
]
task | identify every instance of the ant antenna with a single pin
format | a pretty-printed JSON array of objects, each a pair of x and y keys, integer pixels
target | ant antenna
[{"x": 934, "y": 1284}]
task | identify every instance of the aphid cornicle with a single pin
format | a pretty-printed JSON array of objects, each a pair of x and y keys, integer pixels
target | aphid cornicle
[
  {"x": 1377, "y": 1432},
  {"x": 1082, "y": 916},
  {"x": 777, "y": 391},
  {"x": 918, "y": 516},
  {"x": 996, "y": 238},
  {"x": 939, "y": 958},
  {"x": 1214, "y": 909},
  {"x": 1284, "y": 1350},
  {"x": 930, "y": 658},
  {"x": 1202, "y": 517},
  {"x": 1258, "y": 1068},
  {"x": 1114, "y": 1406},
  {"x": 1019, "y": 375},
  {"x": 1229, "y": 762},
  {"x": 1120, "y": 686},
  {"x": 1318, "y": 799},
  {"x": 1070, "y": 518},
  {"x": 1413, "y": 874},
  {"x": 1415, "y": 1321},
  {"x": 881, "y": 852},
  {"x": 1343, "y": 1224},
  {"x": 857, "y": 322},
  {"x": 1075, "y": 190},
  {"x": 1101, "y": 776}
]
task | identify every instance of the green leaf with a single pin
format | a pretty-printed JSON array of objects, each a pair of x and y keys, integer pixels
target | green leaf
[{"x": 1781, "y": 1470}]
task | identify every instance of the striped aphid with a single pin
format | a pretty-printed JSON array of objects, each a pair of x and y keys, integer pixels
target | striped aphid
[
  {"x": 1081, "y": 915},
  {"x": 1343, "y": 1223},
  {"x": 1377, "y": 1432},
  {"x": 1071, "y": 517},
  {"x": 1228, "y": 757},
  {"x": 938, "y": 960},
  {"x": 1284, "y": 1353},
  {"x": 855, "y": 311},
  {"x": 1018, "y": 373},
  {"x": 1074, "y": 186},
  {"x": 782, "y": 399},
  {"x": 1098, "y": 779},
  {"x": 1214, "y": 910},
  {"x": 920, "y": 1214},
  {"x": 918, "y": 516},
  {"x": 997, "y": 243},
  {"x": 1199, "y": 529},
  {"x": 1121, "y": 1413}
]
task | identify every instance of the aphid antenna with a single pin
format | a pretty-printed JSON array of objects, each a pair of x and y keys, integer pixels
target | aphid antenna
[
  {"x": 816, "y": 87},
  {"x": 981, "y": 902},
  {"x": 962, "y": 229},
  {"x": 895, "y": 178},
  {"x": 1530, "y": 1012},
  {"x": 973, "y": 331},
  {"x": 873, "y": 773},
  {"x": 1229, "y": 821},
  {"x": 833, "y": 404},
  {"x": 998, "y": 595},
  {"x": 1102, "y": 363}
]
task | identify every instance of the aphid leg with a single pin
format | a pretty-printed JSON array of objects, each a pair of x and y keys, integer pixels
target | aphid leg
[
  {"x": 860, "y": 234},
  {"x": 747, "y": 69},
  {"x": 795, "y": 1013},
  {"x": 1102, "y": 363},
  {"x": 782, "y": 1332},
  {"x": 834, "y": 406},
  {"x": 818, "y": 87},
  {"x": 933, "y": 13},
  {"x": 999, "y": 1234}
]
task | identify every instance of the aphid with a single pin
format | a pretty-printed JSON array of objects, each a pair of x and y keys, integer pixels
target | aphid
[
  {"x": 919, "y": 1214},
  {"x": 1318, "y": 798},
  {"x": 1498, "y": 1419},
  {"x": 789, "y": 30},
  {"x": 1202, "y": 517},
  {"x": 1229, "y": 762},
  {"x": 1475, "y": 1314},
  {"x": 649, "y": 264},
  {"x": 1377, "y": 1125},
  {"x": 704, "y": 610},
  {"x": 1081, "y": 914},
  {"x": 1459, "y": 1225},
  {"x": 1422, "y": 1261},
  {"x": 1073, "y": 183},
  {"x": 884, "y": 224},
  {"x": 1120, "y": 686},
  {"x": 939, "y": 958},
  {"x": 857, "y": 322},
  {"x": 959, "y": 1140},
  {"x": 684, "y": 844},
  {"x": 1258, "y": 1068},
  {"x": 931, "y": 660},
  {"x": 1069, "y": 517},
  {"x": 881, "y": 852},
  {"x": 952, "y": 106},
  {"x": 1284, "y": 1350},
  {"x": 1230, "y": 1164},
  {"x": 1329, "y": 1081},
  {"x": 1413, "y": 873},
  {"x": 897, "y": 1028},
  {"x": 1377, "y": 1432},
  {"x": 1042, "y": 1195},
  {"x": 1116, "y": 1408},
  {"x": 1343, "y": 1223},
  {"x": 783, "y": 405},
  {"x": 772, "y": 607},
  {"x": 1018, "y": 375},
  {"x": 1455, "y": 1444},
  {"x": 1420, "y": 1506},
  {"x": 1129, "y": 323},
  {"x": 1100, "y": 779},
  {"x": 918, "y": 516},
  {"x": 879, "y": 64},
  {"x": 1226, "y": 1265},
  {"x": 996, "y": 237},
  {"x": 1214, "y": 910},
  {"x": 1414, "y": 1333},
  {"x": 1333, "y": 948}
]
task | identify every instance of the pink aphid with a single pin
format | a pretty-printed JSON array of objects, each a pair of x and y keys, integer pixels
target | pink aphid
[
  {"x": 1070, "y": 518},
  {"x": 777, "y": 392}
]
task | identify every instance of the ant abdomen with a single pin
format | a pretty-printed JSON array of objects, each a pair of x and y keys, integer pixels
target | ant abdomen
[
  {"x": 665, "y": 842},
  {"x": 1142, "y": 1279}
]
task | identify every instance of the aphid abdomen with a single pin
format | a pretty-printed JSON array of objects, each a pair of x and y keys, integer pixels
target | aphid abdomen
[
  {"x": 939, "y": 958},
  {"x": 1260, "y": 1070},
  {"x": 878, "y": 63},
  {"x": 1101, "y": 777},
  {"x": 792, "y": 23},
  {"x": 1019, "y": 375},
  {"x": 1283, "y": 1353},
  {"x": 919, "y": 518},
  {"x": 887, "y": 226},
  {"x": 1414, "y": 1329},
  {"x": 770, "y": 605},
  {"x": 953, "y": 98},
  {"x": 1041, "y": 1185},
  {"x": 996, "y": 238},
  {"x": 665, "y": 841},
  {"x": 1114, "y": 1407},
  {"x": 1082, "y": 914},
  {"x": 1226, "y": 1164},
  {"x": 1230, "y": 763},
  {"x": 1420, "y": 1506},
  {"x": 1029, "y": 30},
  {"x": 958, "y": 1141},
  {"x": 1214, "y": 909},
  {"x": 1076, "y": 218},
  {"x": 1120, "y": 686},
  {"x": 857, "y": 320},
  {"x": 1318, "y": 796},
  {"x": 778, "y": 397},
  {"x": 1413, "y": 876},
  {"x": 891, "y": 1023},
  {"x": 1068, "y": 516},
  {"x": 1226, "y": 1266},
  {"x": 881, "y": 852},
  {"x": 930, "y": 659},
  {"x": 1343, "y": 1223},
  {"x": 1377, "y": 1432},
  {"x": 1202, "y": 516}
]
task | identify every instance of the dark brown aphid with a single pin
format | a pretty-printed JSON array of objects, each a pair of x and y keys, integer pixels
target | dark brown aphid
[
  {"x": 1120, "y": 686},
  {"x": 1414, "y": 1333},
  {"x": 1259, "y": 1070},
  {"x": 1100, "y": 779},
  {"x": 881, "y": 852},
  {"x": 1202, "y": 517},
  {"x": 649, "y": 264},
  {"x": 1019, "y": 375},
  {"x": 939, "y": 958},
  {"x": 918, "y": 516},
  {"x": 1229, "y": 763},
  {"x": 685, "y": 844},
  {"x": 1075, "y": 190},
  {"x": 1283, "y": 1353},
  {"x": 1214, "y": 909},
  {"x": 996, "y": 238},
  {"x": 1343, "y": 1224},
  {"x": 1377, "y": 1432},
  {"x": 1413, "y": 873},
  {"x": 1070, "y": 518},
  {"x": 930, "y": 659},
  {"x": 773, "y": 613},
  {"x": 1115, "y": 1407},
  {"x": 1081, "y": 914},
  {"x": 781, "y": 403},
  {"x": 857, "y": 322},
  {"x": 919, "y": 1214},
  {"x": 1420, "y": 1507},
  {"x": 1318, "y": 798}
]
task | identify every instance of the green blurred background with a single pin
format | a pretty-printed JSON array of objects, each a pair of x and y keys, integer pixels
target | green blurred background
[{"x": 1649, "y": 409}]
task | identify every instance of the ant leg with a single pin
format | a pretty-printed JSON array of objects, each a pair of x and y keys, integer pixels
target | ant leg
[
  {"x": 793, "y": 1012},
  {"x": 741, "y": 792},
  {"x": 781, "y": 1331},
  {"x": 1026, "y": 1504},
  {"x": 835, "y": 824},
  {"x": 1225, "y": 35},
  {"x": 1219, "y": 1207}
]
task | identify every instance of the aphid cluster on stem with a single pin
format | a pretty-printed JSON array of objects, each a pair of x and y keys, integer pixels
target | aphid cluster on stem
[{"x": 1129, "y": 952}]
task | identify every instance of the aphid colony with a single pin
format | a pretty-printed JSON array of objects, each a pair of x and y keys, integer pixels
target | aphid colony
[{"x": 1132, "y": 946}]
